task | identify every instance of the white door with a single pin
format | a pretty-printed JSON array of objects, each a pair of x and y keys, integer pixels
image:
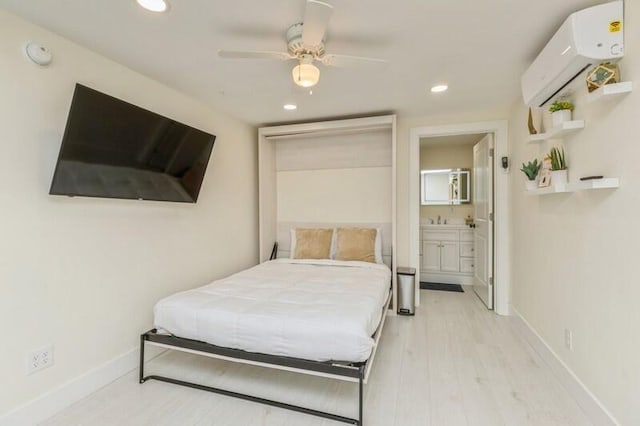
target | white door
[
  {"x": 431, "y": 255},
  {"x": 450, "y": 256},
  {"x": 483, "y": 219}
]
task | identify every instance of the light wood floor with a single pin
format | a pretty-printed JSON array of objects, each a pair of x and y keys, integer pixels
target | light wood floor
[{"x": 454, "y": 363}]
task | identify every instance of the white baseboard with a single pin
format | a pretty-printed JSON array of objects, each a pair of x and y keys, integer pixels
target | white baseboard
[
  {"x": 452, "y": 278},
  {"x": 57, "y": 399},
  {"x": 592, "y": 407}
]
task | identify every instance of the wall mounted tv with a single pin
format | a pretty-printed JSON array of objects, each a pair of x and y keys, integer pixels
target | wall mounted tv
[{"x": 113, "y": 149}]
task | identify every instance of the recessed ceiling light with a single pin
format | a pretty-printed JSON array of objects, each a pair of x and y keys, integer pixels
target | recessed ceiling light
[
  {"x": 290, "y": 107},
  {"x": 439, "y": 88},
  {"x": 154, "y": 5}
]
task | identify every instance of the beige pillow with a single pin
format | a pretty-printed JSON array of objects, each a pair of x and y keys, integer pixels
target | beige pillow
[
  {"x": 313, "y": 243},
  {"x": 356, "y": 244}
]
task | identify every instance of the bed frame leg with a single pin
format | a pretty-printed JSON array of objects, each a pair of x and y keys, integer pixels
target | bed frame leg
[
  {"x": 360, "y": 396},
  {"x": 141, "y": 371}
]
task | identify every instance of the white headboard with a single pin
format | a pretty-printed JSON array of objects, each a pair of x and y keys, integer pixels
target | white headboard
[{"x": 284, "y": 235}]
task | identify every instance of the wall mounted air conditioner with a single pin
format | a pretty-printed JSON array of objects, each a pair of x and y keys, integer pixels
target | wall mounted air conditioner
[{"x": 586, "y": 38}]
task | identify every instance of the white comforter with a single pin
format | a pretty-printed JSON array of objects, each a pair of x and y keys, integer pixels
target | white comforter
[{"x": 317, "y": 310}]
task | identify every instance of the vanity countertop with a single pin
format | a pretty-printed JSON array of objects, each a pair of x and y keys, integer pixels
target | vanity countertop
[{"x": 443, "y": 226}]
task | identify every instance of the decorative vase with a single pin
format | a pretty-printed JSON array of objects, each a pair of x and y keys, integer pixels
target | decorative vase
[
  {"x": 531, "y": 185},
  {"x": 559, "y": 117},
  {"x": 559, "y": 178},
  {"x": 535, "y": 121}
]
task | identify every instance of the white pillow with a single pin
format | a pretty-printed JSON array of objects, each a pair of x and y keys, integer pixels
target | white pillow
[
  {"x": 378, "y": 246},
  {"x": 292, "y": 244},
  {"x": 334, "y": 244}
]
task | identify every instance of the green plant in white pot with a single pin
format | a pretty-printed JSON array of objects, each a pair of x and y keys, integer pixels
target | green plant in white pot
[
  {"x": 531, "y": 170},
  {"x": 561, "y": 111},
  {"x": 559, "y": 174}
]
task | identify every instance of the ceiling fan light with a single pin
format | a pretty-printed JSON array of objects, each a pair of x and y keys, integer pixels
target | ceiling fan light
[{"x": 306, "y": 75}]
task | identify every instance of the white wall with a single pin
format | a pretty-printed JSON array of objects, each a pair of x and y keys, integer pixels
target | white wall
[
  {"x": 334, "y": 177},
  {"x": 83, "y": 274},
  {"x": 335, "y": 195},
  {"x": 575, "y": 256}
]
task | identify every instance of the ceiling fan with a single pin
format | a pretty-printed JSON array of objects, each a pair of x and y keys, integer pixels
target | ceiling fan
[{"x": 305, "y": 44}]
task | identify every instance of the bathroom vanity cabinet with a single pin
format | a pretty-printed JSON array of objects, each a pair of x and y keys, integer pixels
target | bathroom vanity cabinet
[{"x": 446, "y": 254}]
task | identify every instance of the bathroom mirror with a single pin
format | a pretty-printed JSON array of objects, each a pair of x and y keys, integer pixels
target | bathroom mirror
[{"x": 445, "y": 187}]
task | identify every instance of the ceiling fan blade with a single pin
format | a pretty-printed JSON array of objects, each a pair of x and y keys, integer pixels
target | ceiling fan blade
[
  {"x": 347, "y": 60},
  {"x": 316, "y": 19},
  {"x": 253, "y": 54}
]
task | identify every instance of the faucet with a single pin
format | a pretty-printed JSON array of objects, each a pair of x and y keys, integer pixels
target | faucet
[{"x": 438, "y": 219}]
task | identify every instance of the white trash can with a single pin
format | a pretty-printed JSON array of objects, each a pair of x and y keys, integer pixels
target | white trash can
[{"x": 406, "y": 291}]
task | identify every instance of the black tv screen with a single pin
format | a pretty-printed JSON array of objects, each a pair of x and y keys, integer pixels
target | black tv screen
[{"x": 113, "y": 149}]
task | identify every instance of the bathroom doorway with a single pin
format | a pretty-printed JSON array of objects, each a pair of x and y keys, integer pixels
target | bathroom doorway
[
  {"x": 454, "y": 249},
  {"x": 446, "y": 183}
]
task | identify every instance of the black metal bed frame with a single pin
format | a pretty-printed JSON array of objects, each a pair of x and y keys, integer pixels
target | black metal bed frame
[{"x": 354, "y": 372}]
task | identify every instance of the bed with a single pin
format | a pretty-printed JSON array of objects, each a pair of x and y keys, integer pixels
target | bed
[{"x": 315, "y": 316}]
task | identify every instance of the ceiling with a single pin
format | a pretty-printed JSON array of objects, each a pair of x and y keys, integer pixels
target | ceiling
[{"x": 479, "y": 47}]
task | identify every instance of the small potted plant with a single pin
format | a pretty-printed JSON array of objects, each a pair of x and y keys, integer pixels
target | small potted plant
[
  {"x": 559, "y": 175},
  {"x": 560, "y": 112},
  {"x": 531, "y": 170}
]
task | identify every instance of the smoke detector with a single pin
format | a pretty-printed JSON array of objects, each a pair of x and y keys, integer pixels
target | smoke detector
[{"x": 37, "y": 54}]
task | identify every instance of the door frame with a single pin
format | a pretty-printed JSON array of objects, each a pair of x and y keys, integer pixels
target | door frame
[{"x": 501, "y": 259}]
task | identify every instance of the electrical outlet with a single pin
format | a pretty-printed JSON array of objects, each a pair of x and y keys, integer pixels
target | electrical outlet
[
  {"x": 39, "y": 359},
  {"x": 568, "y": 339},
  {"x": 46, "y": 356},
  {"x": 33, "y": 362}
]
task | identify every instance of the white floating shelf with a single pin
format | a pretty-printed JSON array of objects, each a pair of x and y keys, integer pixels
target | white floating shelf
[
  {"x": 610, "y": 90},
  {"x": 606, "y": 183},
  {"x": 547, "y": 190},
  {"x": 558, "y": 132}
]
